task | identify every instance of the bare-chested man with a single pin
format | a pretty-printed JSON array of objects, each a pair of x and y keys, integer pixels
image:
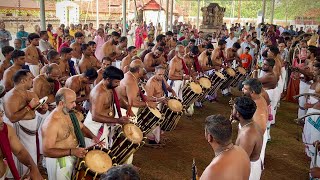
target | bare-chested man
[
  {"x": 64, "y": 65},
  {"x": 233, "y": 59},
  {"x": 219, "y": 59},
  {"x": 93, "y": 47},
  {"x": 122, "y": 48},
  {"x": 250, "y": 135},
  {"x": 103, "y": 111},
  {"x": 129, "y": 91},
  {"x": 152, "y": 60},
  {"x": 160, "y": 42},
  {"x": 20, "y": 105},
  {"x": 230, "y": 161},
  {"x": 178, "y": 71},
  {"x": 80, "y": 84},
  {"x": 47, "y": 84},
  {"x": 170, "y": 43},
  {"x": 7, "y": 52},
  {"x": 253, "y": 88},
  {"x": 53, "y": 57},
  {"x": 106, "y": 62},
  {"x": 269, "y": 82},
  {"x": 76, "y": 53},
  {"x": 10, "y": 144},
  {"x": 157, "y": 90},
  {"x": 63, "y": 137},
  {"x": 87, "y": 61},
  {"x": 109, "y": 48},
  {"x": 143, "y": 53},
  {"x": 34, "y": 57},
  {"x": 132, "y": 51},
  {"x": 18, "y": 61},
  {"x": 130, "y": 95},
  {"x": 205, "y": 60}
]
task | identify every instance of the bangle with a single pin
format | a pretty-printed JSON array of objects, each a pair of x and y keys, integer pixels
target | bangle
[{"x": 69, "y": 152}]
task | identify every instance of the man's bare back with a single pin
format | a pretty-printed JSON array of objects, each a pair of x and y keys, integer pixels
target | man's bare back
[{"x": 230, "y": 165}]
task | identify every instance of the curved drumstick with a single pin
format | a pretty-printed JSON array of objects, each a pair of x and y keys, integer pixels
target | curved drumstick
[
  {"x": 306, "y": 94},
  {"x": 307, "y": 115},
  {"x": 316, "y": 154}
]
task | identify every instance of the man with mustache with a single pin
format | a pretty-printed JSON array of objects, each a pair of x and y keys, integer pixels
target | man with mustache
[
  {"x": 269, "y": 82},
  {"x": 103, "y": 117},
  {"x": 109, "y": 48},
  {"x": 178, "y": 71},
  {"x": 87, "y": 61},
  {"x": 20, "y": 110},
  {"x": 152, "y": 60},
  {"x": 233, "y": 58},
  {"x": 63, "y": 137},
  {"x": 106, "y": 62},
  {"x": 80, "y": 84},
  {"x": 76, "y": 53},
  {"x": 132, "y": 51}
]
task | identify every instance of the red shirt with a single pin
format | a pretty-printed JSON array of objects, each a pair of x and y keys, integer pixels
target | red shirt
[
  {"x": 246, "y": 60},
  {"x": 62, "y": 46}
]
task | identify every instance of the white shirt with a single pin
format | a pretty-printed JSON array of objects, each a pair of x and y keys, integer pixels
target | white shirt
[
  {"x": 44, "y": 45},
  {"x": 230, "y": 42}
]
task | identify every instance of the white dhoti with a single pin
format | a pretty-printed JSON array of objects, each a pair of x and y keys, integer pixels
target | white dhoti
[
  {"x": 76, "y": 64},
  {"x": 273, "y": 103},
  {"x": 284, "y": 78},
  {"x": 264, "y": 146},
  {"x": 116, "y": 64},
  {"x": 306, "y": 134},
  {"x": 303, "y": 88},
  {"x": 177, "y": 86},
  {"x": 314, "y": 135},
  {"x": 255, "y": 170},
  {"x": 26, "y": 130},
  {"x": 34, "y": 69},
  {"x": 93, "y": 126},
  {"x": 60, "y": 168},
  {"x": 123, "y": 112}
]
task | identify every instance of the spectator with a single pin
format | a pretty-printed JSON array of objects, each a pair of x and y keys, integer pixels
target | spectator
[
  {"x": 246, "y": 59},
  {"x": 5, "y": 36},
  {"x": 23, "y": 35},
  {"x": 17, "y": 44}
]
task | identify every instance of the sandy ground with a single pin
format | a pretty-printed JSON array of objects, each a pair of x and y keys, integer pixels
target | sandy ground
[{"x": 284, "y": 159}]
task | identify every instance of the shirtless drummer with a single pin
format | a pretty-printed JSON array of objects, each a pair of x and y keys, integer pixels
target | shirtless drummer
[
  {"x": 230, "y": 161},
  {"x": 103, "y": 115},
  {"x": 109, "y": 48},
  {"x": 131, "y": 99},
  {"x": 157, "y": 90},
  {"x": 80, "y": 84},
  {"x": 63, "y": 137},
  {"x": 106, "y": 62},
  {"x": 87, "y": 61}
]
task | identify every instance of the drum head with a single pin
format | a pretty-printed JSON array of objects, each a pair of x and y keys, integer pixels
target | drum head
[
  {"x": 205, "y": 82},
  {"x": 219, "y": 74},
  {"x": 196, "y": 88},
  {"x": 98, "y": 161},
  {"x": 133, "y": 133},
  {"x": 241, "y": 70},
  {"x": 155, "y": 112},
  {"x": 230, "y": 72},
  {"x": 175, "y": 105}
]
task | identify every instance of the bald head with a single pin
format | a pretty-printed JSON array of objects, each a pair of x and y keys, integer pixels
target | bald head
[
  {"x": 63, "y": 93},
  {"x": 135, "y": 65}
]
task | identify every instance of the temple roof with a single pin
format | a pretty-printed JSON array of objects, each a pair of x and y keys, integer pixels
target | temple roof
[{"x": 152, "y": 5}]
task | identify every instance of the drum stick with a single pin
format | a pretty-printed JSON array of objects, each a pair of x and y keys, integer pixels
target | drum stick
[
  {"x": 95, "y": 144},
  {"x": 309, "y": 114},
  {"x": 316, "y": 154},
  {"x": 307, "y": 94}
]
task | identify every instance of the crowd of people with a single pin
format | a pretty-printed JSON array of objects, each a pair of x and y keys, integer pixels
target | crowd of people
[{"x": 68, "y": 89}]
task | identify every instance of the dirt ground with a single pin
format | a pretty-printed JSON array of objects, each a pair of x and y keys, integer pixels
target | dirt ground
[{"x": 284, "y": 159}]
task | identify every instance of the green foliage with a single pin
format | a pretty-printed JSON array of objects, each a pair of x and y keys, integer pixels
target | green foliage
[{"x": 250, "y": 9}]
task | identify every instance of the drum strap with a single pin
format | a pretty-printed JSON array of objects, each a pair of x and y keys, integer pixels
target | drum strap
[
  {"x": 77, "y": 130},
  {"x": 7, "y": 152},
  {"x": 117, "y": 102},
  {"x": 164, "y": 88},
  {"x": 143, "y": 97},
  {"x": 185, "y": 68},
  {"x": 197, "y": 64}
]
